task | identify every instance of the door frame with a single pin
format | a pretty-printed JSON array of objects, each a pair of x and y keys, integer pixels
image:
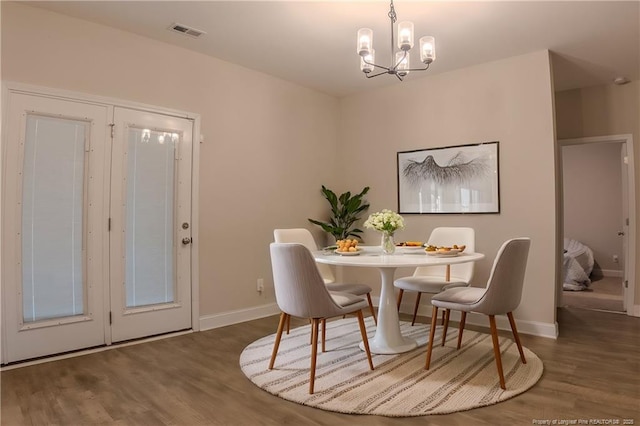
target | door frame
[
  {"x": 630, "y": 266},
  {"x": 9, "y": 87}
]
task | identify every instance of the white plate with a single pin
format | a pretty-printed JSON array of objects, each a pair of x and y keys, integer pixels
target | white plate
[
  {"x": 411, "y": 247},
  {"x": 348, "y": 253},
  {"x": 450, "y": 253}
]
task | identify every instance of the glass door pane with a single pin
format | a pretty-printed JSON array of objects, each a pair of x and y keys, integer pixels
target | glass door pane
[
  {"x": 150, "y": 217},
  {"x": 52, "y": 218}
]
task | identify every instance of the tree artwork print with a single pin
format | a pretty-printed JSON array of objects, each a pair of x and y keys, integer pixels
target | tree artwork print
[{"x": 457, "y": 179}]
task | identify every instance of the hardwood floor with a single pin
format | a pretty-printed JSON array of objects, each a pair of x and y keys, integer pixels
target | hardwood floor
[{"x": 592, "y": 372}]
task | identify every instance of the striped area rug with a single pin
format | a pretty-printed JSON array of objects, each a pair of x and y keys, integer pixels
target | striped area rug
[{"x": 399, "y": 386}]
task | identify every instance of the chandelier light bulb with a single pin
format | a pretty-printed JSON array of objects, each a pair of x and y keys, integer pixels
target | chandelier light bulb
[
  {"x": 370, "y": 58},
  {"x": 405, "y": 35},
  {"x": 402, "y": 63},
  {"x": 427, "y": 49},
  {"x": 365, "y": 41}
]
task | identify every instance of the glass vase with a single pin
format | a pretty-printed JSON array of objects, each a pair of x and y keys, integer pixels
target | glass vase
[{"x": 387, "y": 244}]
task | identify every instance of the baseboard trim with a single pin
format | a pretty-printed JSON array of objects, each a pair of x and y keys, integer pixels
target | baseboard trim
[
  {"x": 611, "y": 273},
  {"x": 224, "y": 319},
  {"x": 534, "y": 328}
]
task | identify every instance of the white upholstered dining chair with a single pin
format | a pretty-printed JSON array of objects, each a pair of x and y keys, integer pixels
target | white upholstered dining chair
[
  {"x": 433, "y": 279},
  {"x": 501, "y": 296},
  {"x": 300, "y": 292},
  {"x": 303, "y": 236}
]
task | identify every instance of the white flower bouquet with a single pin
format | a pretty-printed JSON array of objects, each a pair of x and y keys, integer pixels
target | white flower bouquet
[{"x": 386, "y": 221}]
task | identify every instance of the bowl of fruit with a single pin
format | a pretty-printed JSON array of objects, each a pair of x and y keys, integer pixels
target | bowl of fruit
[{"x": 347, "y": 247}]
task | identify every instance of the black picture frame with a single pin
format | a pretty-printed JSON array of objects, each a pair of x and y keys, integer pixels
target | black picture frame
[{"x": 461, "y": 179}]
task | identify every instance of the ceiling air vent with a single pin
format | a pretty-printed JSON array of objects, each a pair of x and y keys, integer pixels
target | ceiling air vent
[{"x": 183, "y": 29}]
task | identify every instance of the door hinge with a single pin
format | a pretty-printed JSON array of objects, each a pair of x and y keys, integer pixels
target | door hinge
[
  {"x": 626, "y": 283},
  {"x": 113, "y": 126},
  {"x": 109, "y": 224},
  {"x": 110, "y": 318}
]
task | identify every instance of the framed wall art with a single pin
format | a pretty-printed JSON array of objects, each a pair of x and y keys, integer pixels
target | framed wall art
[{"x": 454, "y": 179}]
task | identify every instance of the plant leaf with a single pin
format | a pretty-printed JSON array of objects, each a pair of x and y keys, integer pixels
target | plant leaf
[
  {"x": 344, "y": 198},
  {"x": 331, "y": 197}
]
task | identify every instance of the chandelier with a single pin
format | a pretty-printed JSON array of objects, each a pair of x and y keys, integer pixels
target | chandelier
[{"x": 400, "y": 60}]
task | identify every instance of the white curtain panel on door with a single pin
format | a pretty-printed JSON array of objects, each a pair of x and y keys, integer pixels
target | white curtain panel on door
[{"x": 150, "y": 218}]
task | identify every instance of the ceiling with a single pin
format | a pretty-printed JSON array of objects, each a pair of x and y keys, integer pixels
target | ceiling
[{"x": 313, "y": 43}]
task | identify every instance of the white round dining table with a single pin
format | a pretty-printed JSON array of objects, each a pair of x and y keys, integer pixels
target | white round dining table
[{"x": 388, "y": 339}]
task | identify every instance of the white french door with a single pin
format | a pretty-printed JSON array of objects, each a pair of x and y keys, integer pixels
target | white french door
[
  {"x": 151, "y": 224},
  {"x": 54, "y": 238},
  {"x": 96, "y": 215}
]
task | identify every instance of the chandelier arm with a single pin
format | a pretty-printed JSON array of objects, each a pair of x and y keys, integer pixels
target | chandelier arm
[
  {"x": 375, "y": 75},
  {"x": 419, "y": 69},
  {"x": 399, "y": 77},
  {"x": 384, "y": 68},
  {"x": 375, "y": 65}
]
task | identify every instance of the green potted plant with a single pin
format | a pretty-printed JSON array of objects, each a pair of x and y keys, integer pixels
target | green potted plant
[{"x": 345, "y": 212}]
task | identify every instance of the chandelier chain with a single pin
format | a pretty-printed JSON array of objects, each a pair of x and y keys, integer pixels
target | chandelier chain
[{"x": 392, "y": 13}]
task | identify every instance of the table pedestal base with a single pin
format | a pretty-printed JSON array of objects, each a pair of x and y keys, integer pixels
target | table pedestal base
[
  {"x": 384, "y": 349},
  {"x": 388, "y": 339}
]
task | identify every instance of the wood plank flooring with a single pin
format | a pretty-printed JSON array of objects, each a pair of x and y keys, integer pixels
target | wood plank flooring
[
  {"x": 604, "y": 294},
  {"x": 592, "y": 372}
]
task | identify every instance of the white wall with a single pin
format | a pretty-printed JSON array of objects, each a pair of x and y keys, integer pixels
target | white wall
[
  {"x": 509, "y": 101},
  {"x": 592, "y": 180},
  {"x": 269, "y": 144}
]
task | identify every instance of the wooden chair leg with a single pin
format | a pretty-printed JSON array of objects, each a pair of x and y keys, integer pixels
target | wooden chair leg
[
  {"x": 373, "y": 310},
  {"x": 314, "y": 353},
  {"x": 463, "y": 319},
  {"x": 400, "y": 298},
  {"x": 365, "y": 339},
  {"x": 443, "y": 317},
  {"x": 324, "y": 333},
  {"x": 496, "y": 349},
  {"x": 276, "y": 345},
  {"x": 288, "y": 323},
  {"x": 446, "y": 325},
  {"x": 415, "y": 309},
  {"x": 432, "y": 334},
  {"x": 516, "y": 337}
]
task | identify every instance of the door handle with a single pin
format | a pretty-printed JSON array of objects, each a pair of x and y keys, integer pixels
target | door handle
[
  {"x": 620, "y": 233},
  {"x": 186, "y": 240}
]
